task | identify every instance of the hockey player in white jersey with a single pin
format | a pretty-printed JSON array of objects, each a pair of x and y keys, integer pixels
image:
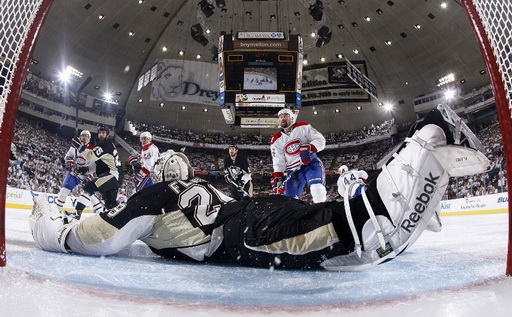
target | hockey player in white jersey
[
  {"x": 294, "y": 150},
  {"x": 351, "y": 182},
  {"x": 187, "y": 220},
  {"x": 79, "y": 169},
  {"x": 143, "y": 163}
]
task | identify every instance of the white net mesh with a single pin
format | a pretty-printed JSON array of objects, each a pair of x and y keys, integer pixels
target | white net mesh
[
  {"x": 16, "y": 18},
  {"x": 496, "y": 16}
]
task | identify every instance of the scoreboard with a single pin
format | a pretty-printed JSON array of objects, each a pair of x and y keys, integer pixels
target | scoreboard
[{"x": 259, "y": 74}]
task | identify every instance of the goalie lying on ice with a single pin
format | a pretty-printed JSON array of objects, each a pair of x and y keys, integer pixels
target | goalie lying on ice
[{"x": 185, "y": 218}]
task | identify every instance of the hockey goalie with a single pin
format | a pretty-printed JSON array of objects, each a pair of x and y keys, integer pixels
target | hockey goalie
[{"x": 182, "y": 217}]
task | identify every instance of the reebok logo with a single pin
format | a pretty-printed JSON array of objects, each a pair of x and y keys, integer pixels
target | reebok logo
[{"x": 421, "y": 203}]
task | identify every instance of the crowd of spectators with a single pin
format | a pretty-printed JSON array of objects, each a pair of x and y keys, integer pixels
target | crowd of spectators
[
  {"x": 219, "y": 137},
  {"x": 40, "y": 154}
]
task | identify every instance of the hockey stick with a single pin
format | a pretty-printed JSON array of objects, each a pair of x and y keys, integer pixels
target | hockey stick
[{"x": 79, "y": 91}]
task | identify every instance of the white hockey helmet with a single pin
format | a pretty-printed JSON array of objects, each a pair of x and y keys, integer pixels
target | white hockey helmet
[
  {"x": 86, "y": 132},
  {"x": 172, "y": 166},
  {"x": 343, "y": 169},
  {"x": 288, "y": 112},
  {"x": 147, "y": 135}
]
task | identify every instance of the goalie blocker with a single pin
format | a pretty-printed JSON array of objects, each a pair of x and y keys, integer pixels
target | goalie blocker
[{"x": 279, "y": 231}]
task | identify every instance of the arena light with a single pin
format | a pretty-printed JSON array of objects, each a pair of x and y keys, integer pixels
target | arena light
[
  {"x": 64, "y": 76},
  {"x": 450, "y": 78},
  {"x": 417, "y": 26},
  {"x": 449, "y": 94},
  {"x": 387, "y": 106},
  {"x": 140, "y": 100},
  {"x": 356, "y": 51},
  {"x": 101, "y": 16},
  {"x": 444, "y": 4},
  {"x": 107, "y": 96},
  {"x": 367, "y": 18}
]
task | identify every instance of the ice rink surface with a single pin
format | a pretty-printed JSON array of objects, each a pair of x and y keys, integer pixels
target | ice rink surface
[{"x": 456, "y": 272}]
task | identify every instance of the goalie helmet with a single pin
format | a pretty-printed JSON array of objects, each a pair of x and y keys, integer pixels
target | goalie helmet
[
  {"x": 146, "y": 135},
  {"x": 288, "y": 112},
  {"x": 172, "y": 166},
  {"x": 86, "y": 132}
]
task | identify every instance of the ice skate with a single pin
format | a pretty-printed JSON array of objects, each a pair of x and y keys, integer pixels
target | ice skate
[{"x": 410, "y": 187}]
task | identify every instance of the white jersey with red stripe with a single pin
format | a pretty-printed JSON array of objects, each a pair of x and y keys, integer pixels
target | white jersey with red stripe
[
  {"x": 148, "y": 157},
  {"x": 285, "y": 146},
  {"x": 79, "y": 161}
]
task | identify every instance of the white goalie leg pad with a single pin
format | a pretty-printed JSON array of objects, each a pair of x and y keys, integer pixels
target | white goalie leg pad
[{"x": 411, "y": 187}]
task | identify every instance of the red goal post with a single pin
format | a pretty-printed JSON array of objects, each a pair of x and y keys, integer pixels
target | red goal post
[
  {"x": 22, "y": 21},
  {"x": 19, "y": 29},
  {"x": 491, "y": 21}
]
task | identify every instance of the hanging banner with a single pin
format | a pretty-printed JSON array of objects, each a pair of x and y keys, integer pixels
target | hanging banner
[
  {"x": 329, "y": 83},
  {"x": 186, "y": 82}
]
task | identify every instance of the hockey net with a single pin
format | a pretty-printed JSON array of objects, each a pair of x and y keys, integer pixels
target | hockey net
[
  {"x": 491, "y": 21},
  {"x": 22, "y": 19},
  {"x": 20, "y": 23}
]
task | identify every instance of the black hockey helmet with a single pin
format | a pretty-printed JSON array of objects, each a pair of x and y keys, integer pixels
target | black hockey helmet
[
  {"x": 103, "y": 127},
  {"x": 233, "y": 145}
]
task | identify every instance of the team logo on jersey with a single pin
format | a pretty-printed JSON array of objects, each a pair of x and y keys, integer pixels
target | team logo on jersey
[
  {"x": 292, "y": 147},
  {"x": 81, "y": 161}
]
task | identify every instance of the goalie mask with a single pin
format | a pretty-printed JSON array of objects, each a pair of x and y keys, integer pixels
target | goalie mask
[{"x": 172, "y": 166}]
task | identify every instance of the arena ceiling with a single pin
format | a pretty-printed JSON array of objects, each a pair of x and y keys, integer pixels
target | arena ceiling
[{"x": 74, "y": 34}]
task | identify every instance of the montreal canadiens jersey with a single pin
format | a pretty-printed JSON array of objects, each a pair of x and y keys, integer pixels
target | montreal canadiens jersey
[
  {"x": 348, "y": 178},
  {"x": 79, "y": 159},
  {"x": 285, "y": 146},
  {"x": 148, "y": 157}
]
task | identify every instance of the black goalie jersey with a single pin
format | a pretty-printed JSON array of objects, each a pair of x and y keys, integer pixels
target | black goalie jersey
[{"x": 185, "y": 210}]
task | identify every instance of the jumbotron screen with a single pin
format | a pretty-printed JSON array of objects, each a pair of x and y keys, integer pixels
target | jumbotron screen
[{"x": 260, "y": 71}]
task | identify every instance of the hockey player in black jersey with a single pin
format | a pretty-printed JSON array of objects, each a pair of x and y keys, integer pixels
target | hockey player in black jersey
[
  {"x": 104, "y": 156},
  {"x": 191, "y": 220}
]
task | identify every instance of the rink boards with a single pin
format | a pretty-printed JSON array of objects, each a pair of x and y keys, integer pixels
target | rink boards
[
  {"x": 488, "y": 204},
  {"x": 22, "y": 199}
]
